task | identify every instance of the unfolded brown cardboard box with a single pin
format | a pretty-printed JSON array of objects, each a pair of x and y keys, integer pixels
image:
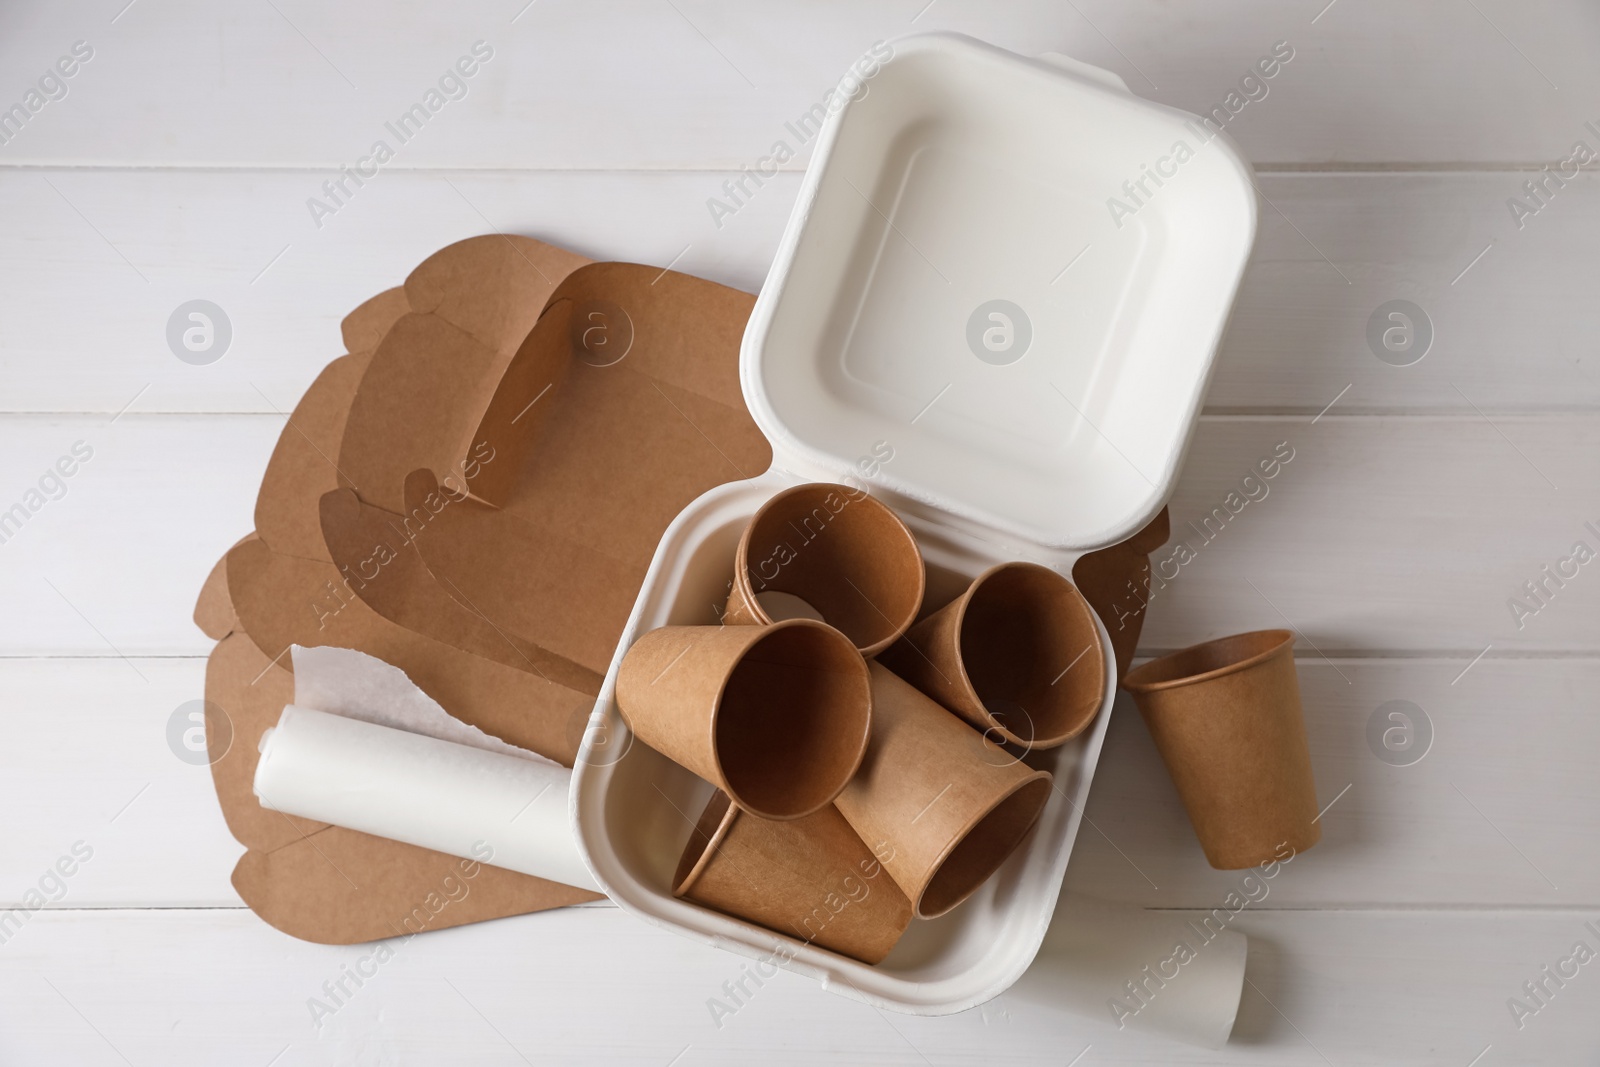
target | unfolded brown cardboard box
[{"x": 436, "y": 373}]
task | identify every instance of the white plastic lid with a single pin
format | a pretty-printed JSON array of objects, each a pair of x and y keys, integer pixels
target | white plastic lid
[{"x": 1010, "y": 275}]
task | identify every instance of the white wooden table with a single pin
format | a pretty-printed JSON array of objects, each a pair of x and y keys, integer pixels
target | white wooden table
[{"x": 1421, "y": 498}]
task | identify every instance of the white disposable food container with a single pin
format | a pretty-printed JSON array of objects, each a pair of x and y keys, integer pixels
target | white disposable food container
[{"x": 1008, "y": 276}]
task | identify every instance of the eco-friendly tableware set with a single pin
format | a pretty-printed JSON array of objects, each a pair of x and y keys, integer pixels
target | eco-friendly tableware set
[
  {"x": 800, "y": 618},
  {"x": 786, "y": 716}
]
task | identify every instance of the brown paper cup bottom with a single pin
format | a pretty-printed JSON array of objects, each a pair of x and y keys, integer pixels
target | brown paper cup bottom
[
  {"x": 845, "y": 555},
  {"x": 1018, "y": 655},
  {"x": 812, "y": 879},
  {"x": 1226, "y": 718},
  {"x": 776, "y": 716}
]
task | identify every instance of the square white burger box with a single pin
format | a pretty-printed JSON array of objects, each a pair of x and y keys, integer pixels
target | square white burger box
[{"x": 1010, "y": 277}]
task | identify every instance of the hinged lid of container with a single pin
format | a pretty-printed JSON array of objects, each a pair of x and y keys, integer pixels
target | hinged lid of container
[{"x": 1013, "y": 275}]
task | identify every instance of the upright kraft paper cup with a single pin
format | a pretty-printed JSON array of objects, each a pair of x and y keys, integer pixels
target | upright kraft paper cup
[
  {"x": 941, "y": 806},
  {"x": 810, "y": 878},
  {"x": 1017, "y": 655},
  {"x": 1226, "y": 718},
  {"x": 775, "y": 716},
  {"x": 848, "y": 557}
]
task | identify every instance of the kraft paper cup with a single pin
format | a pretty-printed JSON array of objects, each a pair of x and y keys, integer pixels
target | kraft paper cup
[
  {"x": 1226, "y": 718},
  {"x": 1017, "y": 655},
  {"x": 776, "y": 716},
  {"x": 810, "y": 878},
  {"x": 845, "y": 556},
  {"x": 940, "y": 816}
]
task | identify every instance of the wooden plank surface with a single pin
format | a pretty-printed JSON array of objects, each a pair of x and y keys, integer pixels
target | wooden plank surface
[
  {"x": 637, "y": 83},
  {"x": 594, "y": 986},
  {"x": 97, "y": 261}
]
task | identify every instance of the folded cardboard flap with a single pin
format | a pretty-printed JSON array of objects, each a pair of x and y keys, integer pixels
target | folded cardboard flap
[
  {"x": 302, "y": 466},
  {"x": 213, "y": 608},
  {"x": 402, "y": 417},
  {"x": 569, "y": 600},
  {"x": 622, "y": 341},
  {"x": 593, "y": 458},
  {"x": 512, "y": 424},
  {"x": 494, "y": 286},
  {"x": 364, "y": 327},
  {"x": 246, "y": 686},
  {"x": 300, "y": 470},
  {"x": 376, "y": 551},
  {"x": 284, "y": 600},
  {"x": 412, "y": 409},
  {"x": 437, "y": 366},
  {"x": 341, "y": 887}
]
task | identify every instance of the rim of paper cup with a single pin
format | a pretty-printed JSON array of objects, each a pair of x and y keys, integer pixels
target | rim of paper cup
[
  {"x": 1132, "y": 684},
  {"x": 944, "y": 856},
  {"x": 965, "y": 601},
  {"x": 761, "y": 633},
  {"x": 713, "y": 843},
  {"x": 741, "y": 563}
]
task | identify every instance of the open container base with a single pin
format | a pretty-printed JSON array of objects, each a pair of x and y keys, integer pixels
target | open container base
[{"x": 636, "y": 809}]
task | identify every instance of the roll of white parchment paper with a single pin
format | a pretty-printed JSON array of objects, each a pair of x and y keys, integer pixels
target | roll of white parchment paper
[
  {"x": 1164, "y": 974},
  {"x": 376, "y": 754}
]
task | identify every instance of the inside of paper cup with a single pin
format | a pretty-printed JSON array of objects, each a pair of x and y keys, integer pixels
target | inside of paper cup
[
  {"x": 779, "y": 606},
  {"x": 846, "y": 556},
  {"x": 792, "y": 722},
  {"x": 985, "y": 847},
  {"x": 1032, "y": 653}
]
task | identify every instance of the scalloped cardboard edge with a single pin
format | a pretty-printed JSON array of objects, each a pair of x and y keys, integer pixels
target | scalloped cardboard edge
[{"x": 383, "y": 426}]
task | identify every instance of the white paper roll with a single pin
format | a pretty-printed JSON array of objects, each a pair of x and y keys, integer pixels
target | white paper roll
[
  {"x": 1132, "y": 969},
  {"x": 463, "y": 801}
]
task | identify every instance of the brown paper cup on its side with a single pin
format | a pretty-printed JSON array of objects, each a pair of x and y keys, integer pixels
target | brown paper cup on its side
[
  {"x": 941, "y": 806},
  {"x": 810, "y": 878},
  {"x": 1226, "y": 717},
  {"x": 848, "y": 557},
  {"x": 1017, "y": 655},
  {"x": 775, "y": 716}
]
